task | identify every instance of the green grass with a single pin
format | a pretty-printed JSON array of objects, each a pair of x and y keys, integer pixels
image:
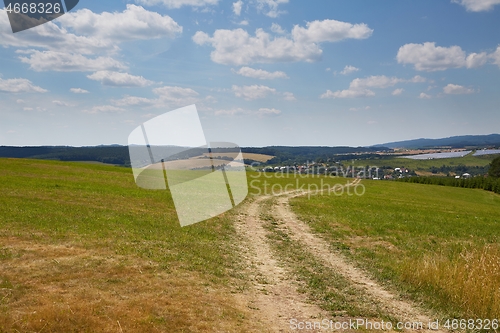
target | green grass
[
  {"x": 101, "y": 206},
  {"x": 395, "y": 229},
  {"x": 395, "y": 162},
  {"x": 82, "y": 248}
]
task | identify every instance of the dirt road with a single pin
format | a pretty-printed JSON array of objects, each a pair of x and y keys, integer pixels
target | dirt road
[{"x": 275, "y": 299}]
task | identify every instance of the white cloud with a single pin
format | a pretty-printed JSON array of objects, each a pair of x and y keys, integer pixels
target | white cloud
[
  {"x": 277, "y": 29},
  {"x": 168, "y": 96},
  {"x": 349, "y": 69},
  {"x": 268, "y": 112},
  {"x": 477, "y": 5},
  {"x": 378, "y": 81},
  {"x": 398, "y": 92},
  {"x": 455, "y": 89},
  {"x": 69, "y": 62},
  {"x": 79, "y": 91},
  {"x": 237, "y": 6},
  {"x": 176, "y": 96},
  {"x": 424, "y": 96},
  {"x": 262, "y": 112},
  {"x": 260, "y": 74},
  {"x": 496, "y": 57},
  {"x": 134, "y": 101},
  {"x": 330, "y": 31},
  {"x": 117, "y": 79},
  {"x": 429, "y": 57},
  {"x": 178, "y": 3},
  {"x": 475, "y": 60},
  {"x": 237, "y": 47},
  {"x": 348, "y": 93},
  {"x": 417, "y": 79},
  {"x": 61, "y": 103},
  {"x": 360, "y": 108},
  {"x": 104, "y": 109},
  {"x": 288, "y": 96},
  {"x": 20, "y": 101},
  {"x": 252, "y": 92},
  {"x": 86, "y": 41},
  {"x": 19, "y": 86},
  {"x": 134, "y": 23},
  {"x": 86, "y": 32},
  {"x": 244, "y": 22},
  {"x": 230, "y": 112},
  {"x": 270, "y": 7},
  {"x": 361, "y": 87}
]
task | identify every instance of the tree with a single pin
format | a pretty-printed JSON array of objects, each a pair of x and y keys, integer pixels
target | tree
[{"x": 494, "y": 170}]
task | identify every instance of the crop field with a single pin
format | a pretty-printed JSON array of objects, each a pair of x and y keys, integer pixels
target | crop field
[
  {"x": 414, "y": 164},
  {"x": 83, "y": 249}
]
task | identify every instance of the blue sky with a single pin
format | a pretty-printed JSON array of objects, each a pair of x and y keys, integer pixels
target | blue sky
[{"x": 261, "y": 72}]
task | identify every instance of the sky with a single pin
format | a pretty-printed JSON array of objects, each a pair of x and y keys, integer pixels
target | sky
[{"x": 261, "y": 72}]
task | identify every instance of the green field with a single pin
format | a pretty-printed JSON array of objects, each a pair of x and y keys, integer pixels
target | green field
[
  {"x": 83, "y": 249},
  {"x": 118, "y": 248},
  {"x": 440, "y": 245},
  {"x": 408, "y": 163}
]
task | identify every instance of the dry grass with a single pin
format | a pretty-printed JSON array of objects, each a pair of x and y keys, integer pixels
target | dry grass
[
  {"x": 471, "y": 281},
  {"x": 64, "y": 288}
]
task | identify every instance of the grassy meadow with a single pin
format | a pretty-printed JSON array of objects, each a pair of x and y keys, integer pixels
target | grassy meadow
[
  {"x": 83, "y": 249},
  {"x": 439, "y": 245}
]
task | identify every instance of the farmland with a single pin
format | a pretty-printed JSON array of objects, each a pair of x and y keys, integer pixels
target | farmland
[{"x": 83, "y": 249}]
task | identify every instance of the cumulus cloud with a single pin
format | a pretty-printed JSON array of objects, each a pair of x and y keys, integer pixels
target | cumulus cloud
[
  {"x": 86, "y": 32},
  {"x": 104, "y": 109},
  {"x": 455, "y": 89},
  {"x": 496, "y": 56},
  {"x": 262, "y": 112},
  {"x": 79, "y": 91},
  {"x": 61, "y": 103},
  {"x": 68, "y": 62},
  {"x": 348, "y": 70},
  {"x": 174, "y": 4},
  {"x": 134, "y": 23},
  {"x": 19, "y": 86},
  {"x": 86, "y": 41},
  {"x": 167, "y": 96},
  {"x": 268, "y": 112},
  {"x": 271, "y": 7},
  {"x": 260, "y": 74},
  {"x": 288, "y": 96},
  {"x": 277, "y": 29},
  {"x": 429, "y": 57},
  {"x": 361, "y": 87},
  {"x": 398, "y": 92},
  {"x": 117, "y": 79},
  {"x": 135, "y": 101},
  {"x": 477, "y": 5},
  {"x": 475, "y": 60},
  {"x": 424, "y": 96},
  {"x": 348, "y": 93},
  {"x": 237, "y": 6},
  {"x": 238, "y": 47},
  {"x": 252, "y": 92}
]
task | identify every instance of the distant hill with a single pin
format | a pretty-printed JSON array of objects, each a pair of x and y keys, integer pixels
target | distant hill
[
  {"x": 463, "y": 141},
  {"x": 119, "y": 155}
]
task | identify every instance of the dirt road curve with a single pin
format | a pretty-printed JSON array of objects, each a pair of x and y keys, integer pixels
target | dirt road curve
[{"x": 274, "y": 298}]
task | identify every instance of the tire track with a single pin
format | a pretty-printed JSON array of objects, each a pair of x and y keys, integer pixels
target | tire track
[
  {"x": 301, "y": 232},
  {"x": 276, "y": 300}
]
